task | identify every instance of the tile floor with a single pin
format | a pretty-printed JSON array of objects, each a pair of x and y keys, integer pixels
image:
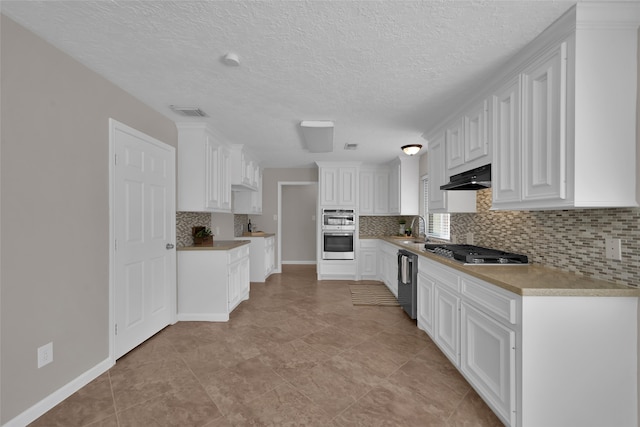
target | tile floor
[{"x": 297, "y": 353}]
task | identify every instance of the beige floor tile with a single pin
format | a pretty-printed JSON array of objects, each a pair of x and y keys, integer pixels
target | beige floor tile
[
  {"x": 90, "y": 404},
  {"x": 296, "y": 353},
  {"x": 240, "y": 384},
  {"x": 178, "y": 407},
  {"x": 282, "y": 406}
]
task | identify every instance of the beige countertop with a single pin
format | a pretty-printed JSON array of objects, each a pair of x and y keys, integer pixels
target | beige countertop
[
  {"x": 527, "y": 280},
  {"x": 218, "y": 245},
  {"x": 256, "y": 234}
]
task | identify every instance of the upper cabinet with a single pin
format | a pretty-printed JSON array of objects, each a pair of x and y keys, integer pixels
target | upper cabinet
[
  {"x": 559, "y": 126},
  {"x": 338, "y": 184},
  {"x": 576, "y": 124},
  {"x": 390, "y": 189},
  {"x": 374, "y": 190},
  {"x": 467, "y": 140},
  {"x": 404, "y": 185},
  {"x": 444, "y": 201},
  {"x": 245, "y": 171},
  {"x": 203, "y": 170}
]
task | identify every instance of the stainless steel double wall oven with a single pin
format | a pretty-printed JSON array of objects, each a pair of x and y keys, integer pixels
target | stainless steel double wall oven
[{"x": 338, "y": 229}]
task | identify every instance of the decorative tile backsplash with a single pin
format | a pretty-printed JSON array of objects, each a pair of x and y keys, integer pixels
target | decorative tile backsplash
[
  {"x": 239, "y": 224},
  {"x": 184, "y": 222},
  {"x": 570, "y": 240}
]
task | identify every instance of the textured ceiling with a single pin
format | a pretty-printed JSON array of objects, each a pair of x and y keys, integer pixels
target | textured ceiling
[{"x": 383, "y": 71}]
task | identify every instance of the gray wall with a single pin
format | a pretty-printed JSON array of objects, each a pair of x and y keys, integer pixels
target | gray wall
[{"x": 55, "y": 213}]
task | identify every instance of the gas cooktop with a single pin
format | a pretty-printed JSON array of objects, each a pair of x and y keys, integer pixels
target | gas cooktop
[{"x": 476, "y": 255}]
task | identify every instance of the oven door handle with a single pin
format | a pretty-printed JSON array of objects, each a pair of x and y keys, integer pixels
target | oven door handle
[{"x": 337, "y": 234}]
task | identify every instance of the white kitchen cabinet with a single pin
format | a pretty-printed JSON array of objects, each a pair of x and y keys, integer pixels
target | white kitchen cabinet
[
  {"x": 425, "y": 301},
  {"x": 338, "y": 184},
  {"x": 530, "y": 143},
  {"x": 243, "y": 169},
  {"x": 577, "y": 139},
  {"x": 262, "y": 256},
  {"x": 211, "y": 283},
  {"x": 404, "y": 185},
  {"x": 444, "y": 201},
  {"x": 388, "y": 265},
  {"x": 249, "y": 202},
  {"x": 488, "y": 359},
  {"x": 368, "y": 259},
  {"x": 467, "y": 140},
  {"x": 535, "y": 360},
  {"x": 505, "y": 170},
  {"x": 203, "y": 170},
  {"x": 374, "y": 190},
  {"x": 454, "y": 140},
  {"x": 446, "y": 329}
]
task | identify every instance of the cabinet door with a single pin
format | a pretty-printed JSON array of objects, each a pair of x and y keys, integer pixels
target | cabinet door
[
  {"x": 367, "y": 263},
  {"x": 212, "y": 174},
  {"x": 488, "y": 360},
  {"x": 224, "y": 179},
  {"x": 437, "y": 175},
  {"x": 476, "y": 140},
  {"x": 235, "y": 283},
  {"x": 394, "y": 188},
  {"x": 347, "y": 193},
  {"x": 447, "y": 323},
  {"x": 329, "y": 186},
  {"x": 544, "y": 136},
  {"x": 381, "y": 192},
  {"x": 506, "y": 169},
  {"x": 454, "y": 137},
  {"x": 426, "y": 288},
  {"x": 366, "y": 196}
]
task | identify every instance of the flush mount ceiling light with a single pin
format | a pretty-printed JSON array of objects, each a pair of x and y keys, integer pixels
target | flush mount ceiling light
[
  {"x": 231, "y": 59},
  {"x": 318, "y": 135},
  {"x": 411, "y": 149}
]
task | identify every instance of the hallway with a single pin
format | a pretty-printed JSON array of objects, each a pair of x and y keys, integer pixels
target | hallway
[{"x": 297, "y": 353}]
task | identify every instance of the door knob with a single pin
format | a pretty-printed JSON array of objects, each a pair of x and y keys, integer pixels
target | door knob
[{"x": 170, "y": 246}]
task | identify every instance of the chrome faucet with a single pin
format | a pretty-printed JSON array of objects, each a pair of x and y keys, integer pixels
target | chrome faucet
[{"x": 424, "y": 222}]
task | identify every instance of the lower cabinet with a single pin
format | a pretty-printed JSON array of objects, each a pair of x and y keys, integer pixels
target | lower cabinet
[
  {"x": 535, "y": 360},
  {"x": 211, "y": 283},
  {"x": 447, "y": 324},
  {"x": 262, "y": 255},
  {"x": 488, "y": 359},
  {"x": 426, "y": 291},
  {"x": 388, "y": 265},
  {"x": 368, "y": 259}
]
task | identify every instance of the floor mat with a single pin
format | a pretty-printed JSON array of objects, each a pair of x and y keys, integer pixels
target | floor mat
[{"x": 372, "y": 294}]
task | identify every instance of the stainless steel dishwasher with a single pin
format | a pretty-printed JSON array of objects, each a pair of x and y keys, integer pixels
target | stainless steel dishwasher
[{"x": 407, "y": 281}]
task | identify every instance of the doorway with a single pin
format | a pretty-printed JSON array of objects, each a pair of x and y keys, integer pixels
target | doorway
[{"x": 297, "y": 223}]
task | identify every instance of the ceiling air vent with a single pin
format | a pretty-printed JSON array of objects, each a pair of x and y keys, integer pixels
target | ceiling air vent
[
  {"x": 348, "y": 146},
  {"x": 188, "y": 111}
]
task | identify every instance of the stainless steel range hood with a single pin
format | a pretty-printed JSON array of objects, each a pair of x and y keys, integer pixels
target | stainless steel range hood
[{"x": 474, "y": 179}]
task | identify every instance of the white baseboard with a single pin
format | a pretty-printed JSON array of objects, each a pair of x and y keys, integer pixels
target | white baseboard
[
  {"x": 46, "y": 404},
  {"x": 203, "y": 317}
]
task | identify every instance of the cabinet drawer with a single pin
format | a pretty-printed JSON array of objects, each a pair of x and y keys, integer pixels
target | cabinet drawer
[
  {"x": 491, "y": 299},
  {"x": 238, "y": 253},
  {"x": 443, "y": 276}
]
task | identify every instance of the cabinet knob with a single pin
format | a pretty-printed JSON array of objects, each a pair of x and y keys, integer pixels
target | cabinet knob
[{"x": 170, "y": 246}]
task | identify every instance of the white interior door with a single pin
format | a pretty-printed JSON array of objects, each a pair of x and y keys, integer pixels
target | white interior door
[{"x": 143, "y": 228}]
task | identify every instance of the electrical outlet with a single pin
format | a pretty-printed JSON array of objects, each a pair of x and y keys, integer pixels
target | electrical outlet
[
  {"x": 470, "y": 238},
  {"x": 613, "y": 248},
  {"x": 45, "y": 355}
]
